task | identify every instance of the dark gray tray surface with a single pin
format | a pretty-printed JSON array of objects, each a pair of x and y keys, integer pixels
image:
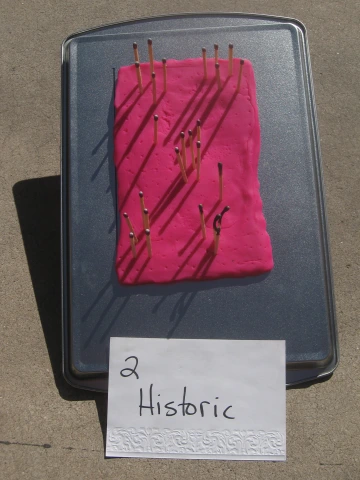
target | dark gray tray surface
[{"x": 293, "y": 302}]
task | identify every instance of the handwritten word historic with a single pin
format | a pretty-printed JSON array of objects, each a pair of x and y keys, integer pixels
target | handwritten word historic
[{"x": 147, "y": 403}]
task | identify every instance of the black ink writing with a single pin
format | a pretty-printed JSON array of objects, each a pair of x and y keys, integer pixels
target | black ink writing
[
  {"x": 186, "y": 407},
  {"x": 225, "y": 411},
  {"x": 132, "y": 371},
  {"x": 141, "y": 406},
  {"x": 167, "y": 405}
]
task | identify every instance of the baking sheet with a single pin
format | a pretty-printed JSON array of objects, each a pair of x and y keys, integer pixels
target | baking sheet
[{"x": 294, "y": 302}]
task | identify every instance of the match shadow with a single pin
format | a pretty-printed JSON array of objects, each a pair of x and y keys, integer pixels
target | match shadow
[
  {"x": 198, "y": 230},
  {"x": 195, "y": 111},
  {"x": 179, "y": 310},
  {"x": 176, "y": 126},
  {"x": 120, "y": 122},
  {"x": 104, "y": 336},
  {"x": 177, "y": 209},
  {"x": 210, "y": 105},
  {"x": 127, "y": 98},
  {"x": 133, "y": 261},
  {"x": 205, "y": 263},
  {"x": 119, "y": 261},
  {"x": 190, "y": 255},
  {"x": 220, "y": 122},
  {"x": 141, "y": 127},
  {"x": 99, "y": 167},
  {"x": 136, "y": 176},
  {"x": 175, "y": 188}
]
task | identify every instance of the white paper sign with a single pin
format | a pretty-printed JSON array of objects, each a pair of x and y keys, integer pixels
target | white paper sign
[{"x": 215, "y": 399}]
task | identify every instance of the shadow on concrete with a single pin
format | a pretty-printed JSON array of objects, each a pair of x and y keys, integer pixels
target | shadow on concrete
[{"x": 38, "y": 208}]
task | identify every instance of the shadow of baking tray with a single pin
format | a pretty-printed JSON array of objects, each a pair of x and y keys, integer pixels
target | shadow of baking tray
[{"x": 294, "y": 302}]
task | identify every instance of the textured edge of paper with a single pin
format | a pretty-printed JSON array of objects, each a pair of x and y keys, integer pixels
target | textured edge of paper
[{"x": 225, "y": 444}]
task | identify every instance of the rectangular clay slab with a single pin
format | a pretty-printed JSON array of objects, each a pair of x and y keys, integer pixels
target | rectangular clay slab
[{"x": 230, "y": 133}]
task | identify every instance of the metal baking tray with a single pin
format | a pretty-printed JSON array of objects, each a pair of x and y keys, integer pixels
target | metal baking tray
[{"x": 294, "y": 302}]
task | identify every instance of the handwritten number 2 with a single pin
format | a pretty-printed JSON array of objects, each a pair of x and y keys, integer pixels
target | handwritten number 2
[{"x": 132, "y": 371}]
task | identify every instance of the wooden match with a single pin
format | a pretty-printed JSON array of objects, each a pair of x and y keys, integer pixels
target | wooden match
[
  {"x": 132, "y": 243},
  {"x": 217, "y": 70},
  {"x": 138, "y": 74},
  {"x": 202, "y": 221},
  {"x": 148, "y": 242},
  {"x": 153, "y": 79},
  {"x": 142, "y": 205},
  {"x": 240, "y": 75},
  {"x": 216, "y": 50},
  {"x": 198, "y": 129},
  {"x": 198, "y": 161},
  {"x": 146, "y": 218},
  {"x": 151, "y": 54},
  {"x": 136, "y": 52},
  {"x": 193, "y": 163},
  {"x": 181, "y": 165},
  {"x": 183, "y": 149},
  {"x": 204, "y": 62},
  {"x": 221, "y": 183},
  {"x": 156, "y": 119},
  {"x": 164, "y": 74},
  {"x": 130, "y": 225},
  {"x": 231, "y": 53}
]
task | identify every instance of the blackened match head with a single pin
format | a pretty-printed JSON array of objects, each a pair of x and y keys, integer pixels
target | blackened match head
[
  {"x": 203, "y": 49},
  {"x": 217, "y": 66},
  {"x": 177, "y": 150},
  {"x": 153, "y": 75},
  {"x": 182, "y": 134},
  {"x": 231, "y": 46},
  {"x": 156, "y": 118},
  {"x": 131, "y": 235},
  {"x": 137, "y": 64},
  {"x": 220, "y": 167},
  {"x": 125, "y": 215},
  {"x": 198, "y": 122},
  {"x": 141, "y": 194},
  {"x": 163, "y": 61},
  {"x": 198, "y": 144},
  {"x": 201, "y": 208},
  {"x": 149, "y": 41},
  {"x": 190, "y": 133},
  {"x": 216, "y": 46},
  {"x": 242, "y": 62},
  {"x": 146, "y": 211},
  {"x": 134, "y": 45},
  {"x": 147, "y": 232}
]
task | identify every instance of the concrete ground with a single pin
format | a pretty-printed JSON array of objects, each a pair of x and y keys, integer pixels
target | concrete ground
[{"x": 49, "y": 430}]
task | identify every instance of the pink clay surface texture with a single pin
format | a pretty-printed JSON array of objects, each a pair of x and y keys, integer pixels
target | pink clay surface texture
[{"x": 230, "y": 133}]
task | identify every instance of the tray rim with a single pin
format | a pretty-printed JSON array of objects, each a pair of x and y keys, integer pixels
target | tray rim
[{"x": 97, "y": 381}]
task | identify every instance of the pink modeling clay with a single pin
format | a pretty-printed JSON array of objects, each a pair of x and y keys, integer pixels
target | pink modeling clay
[{"x": 230, "y": 133}]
